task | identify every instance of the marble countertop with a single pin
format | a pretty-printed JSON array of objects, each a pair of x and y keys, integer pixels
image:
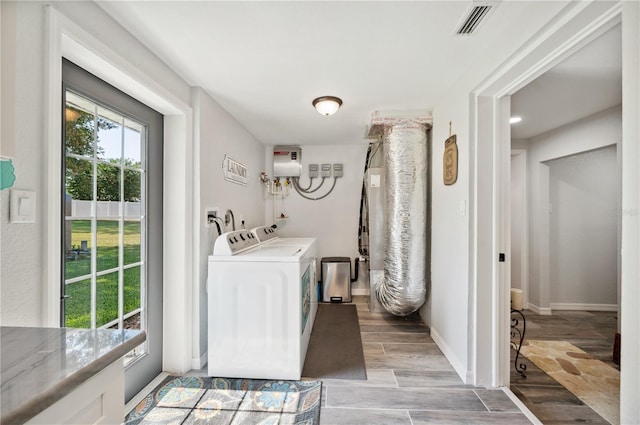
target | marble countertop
[{"x": 39, "y": 366}]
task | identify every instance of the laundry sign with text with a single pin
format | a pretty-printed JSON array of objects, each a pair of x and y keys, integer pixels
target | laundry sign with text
[{"x": 234, "y": 171}]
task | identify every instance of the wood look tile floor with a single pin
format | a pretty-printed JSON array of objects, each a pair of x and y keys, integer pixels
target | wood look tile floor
[
  {"x": 409, "y": 381},
  {"x": 593, "y": 332}
]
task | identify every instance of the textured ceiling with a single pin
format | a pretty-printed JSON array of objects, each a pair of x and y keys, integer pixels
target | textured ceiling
[
  {"x": 264, "y": 62},
  {"x": 588, "y": 82}
]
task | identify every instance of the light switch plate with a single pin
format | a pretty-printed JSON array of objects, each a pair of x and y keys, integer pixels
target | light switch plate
[{"x": 22, "y": 206}]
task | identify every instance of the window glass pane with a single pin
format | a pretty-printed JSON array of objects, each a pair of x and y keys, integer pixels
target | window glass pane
[
  {"x": 78, "y": 256},
  {"x": 106, "y": 298},
  {"x": 109, "y": 135},
  {"x": 104, "y": 187},
  {"x": 104, "y": 196},
  {"x": 79, "y": 183},
  {"x": 132, "y": 143},
  {"x": 107, "y": 251},
  {"x": 78, "y": 304},
  {"x": 79, "y": 126},
  {"x": 132, "y": 232},
  {"x": 132, "y": 192},
  {"x": 108, "y": 182},
  {"x": 132, "y": 289}
]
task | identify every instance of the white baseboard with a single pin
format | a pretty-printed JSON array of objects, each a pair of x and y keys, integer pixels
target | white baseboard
[
  {"x": 542, "y": 311},
  {"x": 460, "y": 369},
  {"x": 199, "y": 362},
  {"x": 521, "y": 406},
  {"x": 584, "y": 307},
  {"x": 359, "y": 291}
]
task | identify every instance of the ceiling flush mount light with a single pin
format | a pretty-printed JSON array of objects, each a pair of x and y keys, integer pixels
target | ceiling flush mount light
[
  {"x": 515, "y": 120},
  {"x": 327, "y": 105}
]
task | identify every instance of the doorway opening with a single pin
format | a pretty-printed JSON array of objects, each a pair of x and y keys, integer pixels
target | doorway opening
[
  {"x": 570, "y": 131},
  {"x": 490, "y": 226}
]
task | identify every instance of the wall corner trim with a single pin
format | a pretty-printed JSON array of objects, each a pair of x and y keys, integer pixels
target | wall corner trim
[{"x": 460, "y": 368}]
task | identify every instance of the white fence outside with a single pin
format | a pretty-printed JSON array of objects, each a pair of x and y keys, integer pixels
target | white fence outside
[{"x": 105, "y": 209}]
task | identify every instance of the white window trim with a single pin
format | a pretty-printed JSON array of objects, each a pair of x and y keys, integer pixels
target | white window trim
[{"x": 66, "y": 39}]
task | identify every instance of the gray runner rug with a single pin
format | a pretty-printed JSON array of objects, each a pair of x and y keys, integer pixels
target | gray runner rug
[{"x": 335, "y": 348}]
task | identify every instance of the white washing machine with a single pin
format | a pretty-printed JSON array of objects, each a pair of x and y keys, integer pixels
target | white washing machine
[{"x": 262, "y": 305}]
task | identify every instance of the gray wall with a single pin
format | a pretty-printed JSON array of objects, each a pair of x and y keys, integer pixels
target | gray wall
[
  {"x": 584, "y": 190},
  {"x": 587, "y": 135},
  {"x": 218, "y": 134}
]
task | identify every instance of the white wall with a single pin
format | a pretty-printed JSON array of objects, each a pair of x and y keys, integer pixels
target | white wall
[
  {"x": 218, "y": 134},
  {"x": 600, "y": 130},
  {"x": 454, "y": 293},
  {"x": 449, "y": 298},
  {"x": 30, "y": 290},
  {"x": 466, "y": 307},
  {"x": 22, "y": 263},
  {"x": 334, "y": 219},
  {"x": 584, "y": 191}
]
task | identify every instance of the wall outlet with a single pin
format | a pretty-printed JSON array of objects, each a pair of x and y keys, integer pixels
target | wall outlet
[
  {"x": 325, "y": 170},
  {"x": 212, "y": 213},
  {"x": 337, "y": 170},
  {"x": 240, "y": 224},
  {"x": 313, "y": 171}
]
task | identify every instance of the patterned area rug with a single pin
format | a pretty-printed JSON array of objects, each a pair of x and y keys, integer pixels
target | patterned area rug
[
  {"x": 594, "y": 382},
  {"x": 198, "y": 400}
]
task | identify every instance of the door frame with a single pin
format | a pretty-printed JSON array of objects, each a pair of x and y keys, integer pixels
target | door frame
[
  {"x": 576, "y": 26},
  {"x": 147, "y": 365},
  {"x": 65, "y": 38}
]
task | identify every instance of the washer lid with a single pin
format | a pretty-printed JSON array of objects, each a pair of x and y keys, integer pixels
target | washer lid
[{"x": 272, "y": 251}]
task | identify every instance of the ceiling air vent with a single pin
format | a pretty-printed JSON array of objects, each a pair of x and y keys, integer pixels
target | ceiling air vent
[{"x": 473, "y": 19}]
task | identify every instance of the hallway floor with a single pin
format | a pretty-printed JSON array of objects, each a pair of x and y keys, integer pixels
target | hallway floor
[
  {"x": 593, "y": 332},
  {"x": 409, "y": 382}
]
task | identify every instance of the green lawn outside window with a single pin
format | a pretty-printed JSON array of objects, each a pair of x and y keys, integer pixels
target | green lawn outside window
[{"x": 78, "y": 305}]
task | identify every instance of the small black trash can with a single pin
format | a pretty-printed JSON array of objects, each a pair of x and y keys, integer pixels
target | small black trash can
[{"x": 335, "y": 275}]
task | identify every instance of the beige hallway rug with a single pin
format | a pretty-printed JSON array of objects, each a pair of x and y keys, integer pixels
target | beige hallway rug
[{"x": 594, "y": 382}]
